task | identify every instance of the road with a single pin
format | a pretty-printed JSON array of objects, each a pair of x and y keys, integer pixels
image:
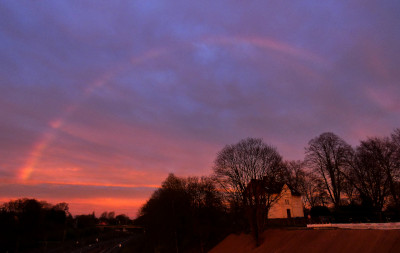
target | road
[{"x": 110, "y": 246}]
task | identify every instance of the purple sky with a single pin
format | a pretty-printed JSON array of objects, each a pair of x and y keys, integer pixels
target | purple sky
[{"x": 100, "y": 100}]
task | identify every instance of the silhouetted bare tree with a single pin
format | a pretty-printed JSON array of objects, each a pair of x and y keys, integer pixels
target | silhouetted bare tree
[
  {"x": 236, "y": 165},
  {"x": 250, "y": 160},
  {"x": 328, "y": 156},
  {"x": 306, "y": 182},
  {"x": 368, "y": 172},
  {"x": 313, "y": 190},
  {"x": 395, "y": 137},
  {"x": 395, "y": 188},
  {"x": 293, "y": 174},
  {"x": 350, "y": 191}
]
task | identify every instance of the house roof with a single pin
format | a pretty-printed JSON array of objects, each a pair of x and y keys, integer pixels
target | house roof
[{"x": 271, "y": 187}]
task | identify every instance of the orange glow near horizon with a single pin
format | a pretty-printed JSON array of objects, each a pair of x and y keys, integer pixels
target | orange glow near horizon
[
  {"x": 78, "y": 206},
  {"x": 128, "y": 206},
  {"x": 38, "y": 182}
]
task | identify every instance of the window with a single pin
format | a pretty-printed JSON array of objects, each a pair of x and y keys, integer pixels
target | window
[{"x": 286, "y": 201}]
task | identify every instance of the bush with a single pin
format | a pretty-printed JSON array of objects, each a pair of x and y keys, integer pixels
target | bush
[{"x": 319, "y": 211}]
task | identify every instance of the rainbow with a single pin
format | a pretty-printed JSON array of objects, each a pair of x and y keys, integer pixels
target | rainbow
[
  {"x": 269, "y": 44},
  {"x": 26, "y": 171}
]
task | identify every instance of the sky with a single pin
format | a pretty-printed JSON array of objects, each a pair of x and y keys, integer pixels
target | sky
[{"x": 101, "y": 100}]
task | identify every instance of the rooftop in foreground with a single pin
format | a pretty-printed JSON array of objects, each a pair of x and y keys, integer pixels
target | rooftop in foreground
[{"x": 308, "y": 240}]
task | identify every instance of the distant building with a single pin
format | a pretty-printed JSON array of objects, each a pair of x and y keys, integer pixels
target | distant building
[
  {"x": 286, "y": 201},
  {"x": 289, "y": 204}
]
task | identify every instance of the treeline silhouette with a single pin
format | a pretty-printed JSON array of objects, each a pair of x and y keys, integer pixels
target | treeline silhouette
[
  {"x": 338, "y": 183},
  {"x": 30, "y": 225},
  {"x": 185, "y": 214}
]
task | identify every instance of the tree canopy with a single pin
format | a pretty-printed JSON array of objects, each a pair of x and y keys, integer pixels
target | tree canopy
[
  {"x": 249, "y": 159},
  {"x": 183, "y": 214},
  {"x": 328, "y": 155}
]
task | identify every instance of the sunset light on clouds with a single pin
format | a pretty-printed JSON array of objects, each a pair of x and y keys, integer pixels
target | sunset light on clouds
[{"x": 100, "y": 100}]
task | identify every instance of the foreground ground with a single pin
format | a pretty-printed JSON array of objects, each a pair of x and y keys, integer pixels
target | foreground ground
[{"x": 327, "y": 241}]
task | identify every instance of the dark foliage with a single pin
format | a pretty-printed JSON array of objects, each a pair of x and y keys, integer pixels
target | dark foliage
[
  {"x": 356, "y": 213},
  {"x": 318, "y": 211},
  {"x": 28, "y": 224},
  {"x": 184, "y": 214}
]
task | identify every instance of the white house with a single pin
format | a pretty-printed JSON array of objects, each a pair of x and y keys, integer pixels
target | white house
[{"x": 288, "y": 205}]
